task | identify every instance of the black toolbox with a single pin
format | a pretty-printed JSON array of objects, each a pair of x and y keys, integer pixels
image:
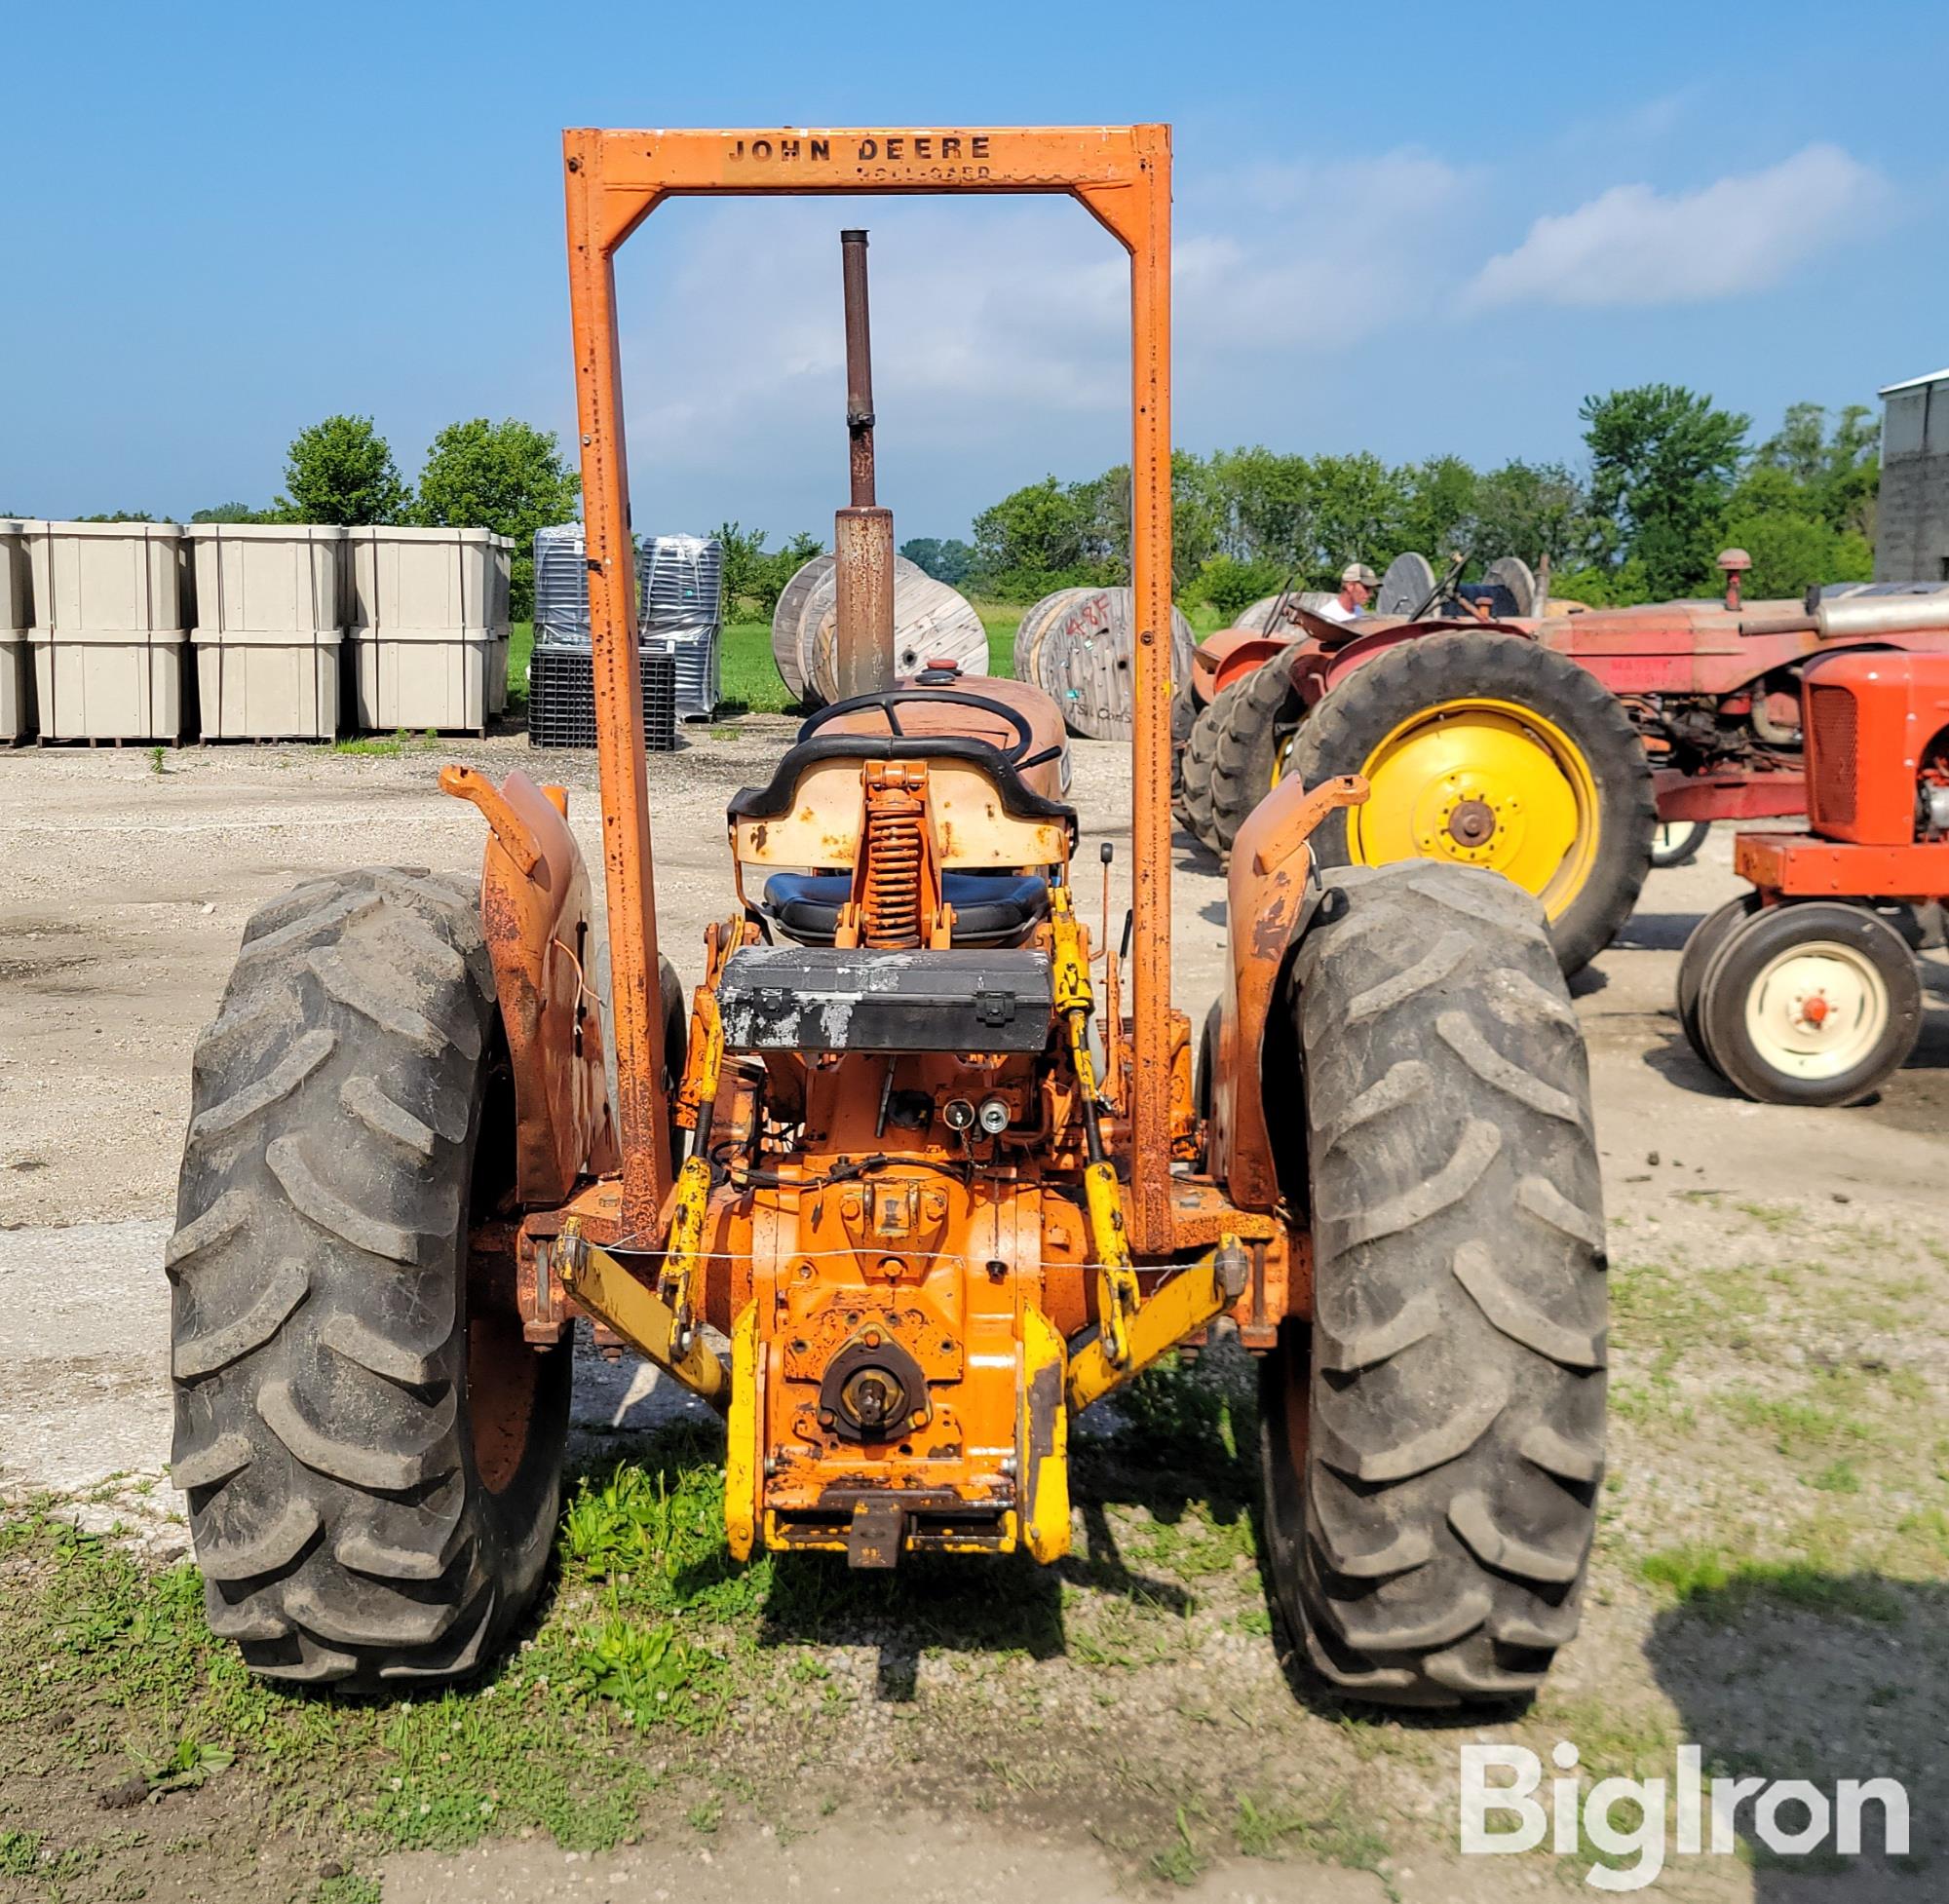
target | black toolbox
[{"x": 824, "y": 998}]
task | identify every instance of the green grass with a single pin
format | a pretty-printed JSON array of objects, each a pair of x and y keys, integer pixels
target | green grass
[
  {"x": 1336, "y": 1833},
  {"x": 348, "y": 1889},
  {"x": 376, "y": 744},
  {"x": 651, "y": 1647},
  {"x": 1180, "y": 1862},
  {"x": 520, "y": 645},
  {"x": 1723, "y": 1586},
  {"x": 20, "y": 1852},
  {"x": 1001, "y": 618},
  {"x": 1839, "y": 1477},
  {"x": 1799, "y": 1425},
  {"x": 110, "y": 1666},
  {"x": 749, "y": 675}
]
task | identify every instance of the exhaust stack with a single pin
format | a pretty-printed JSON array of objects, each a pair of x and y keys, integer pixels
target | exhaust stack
[
  {"x": 862, "y": 533},
  {"x": 1851, "y": 615}
]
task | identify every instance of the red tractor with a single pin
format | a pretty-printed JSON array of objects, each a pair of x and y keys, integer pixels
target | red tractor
[
  {"x": 1805, "y": 991},
  {"x": 1549, "y": 749}
]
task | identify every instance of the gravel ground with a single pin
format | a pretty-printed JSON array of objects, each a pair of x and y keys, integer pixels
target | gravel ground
[{"x": 1779, "y": 1296}]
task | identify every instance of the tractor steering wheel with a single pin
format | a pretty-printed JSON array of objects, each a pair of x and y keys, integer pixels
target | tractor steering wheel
[{"x": 886, "y": 704}]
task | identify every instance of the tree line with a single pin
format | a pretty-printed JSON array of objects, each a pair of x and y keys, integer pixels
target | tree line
[{"x": 1671, "y": 480}]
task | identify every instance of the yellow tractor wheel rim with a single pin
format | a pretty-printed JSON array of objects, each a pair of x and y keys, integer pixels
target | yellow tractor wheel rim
[
  {"x": 1483, "y": 783},
  {"x": 1283, "y": 756}
]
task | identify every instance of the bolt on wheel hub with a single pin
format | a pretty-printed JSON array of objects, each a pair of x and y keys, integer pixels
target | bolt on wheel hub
[
  {"x": 1471, "y": 822},
  {"x": 1816, "y": 1009}
]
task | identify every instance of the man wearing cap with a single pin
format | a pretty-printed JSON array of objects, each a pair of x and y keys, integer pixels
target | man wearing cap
[{"x": 1358, "y": 583}]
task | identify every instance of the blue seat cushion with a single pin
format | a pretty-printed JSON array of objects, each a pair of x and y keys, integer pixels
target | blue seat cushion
[{"x": 989, "y": 908}]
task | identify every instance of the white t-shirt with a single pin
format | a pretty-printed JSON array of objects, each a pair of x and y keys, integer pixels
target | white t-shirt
[{"x": 1336, "y": 610}]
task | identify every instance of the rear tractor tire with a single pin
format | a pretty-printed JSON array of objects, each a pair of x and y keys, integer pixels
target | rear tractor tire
[
  {"x": 370, "y": 1448},
  {"x": 1237, "y": 751},
  {"x": 1488, "y": 749},
  {"x": 1183, "y": 718},
  {"x": 1432, "y": 1442}
]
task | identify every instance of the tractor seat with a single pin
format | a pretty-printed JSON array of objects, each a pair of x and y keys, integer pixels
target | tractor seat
[{"x": 997, "y": 908}]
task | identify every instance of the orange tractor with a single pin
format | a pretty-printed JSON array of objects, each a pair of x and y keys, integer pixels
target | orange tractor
[
  {"x": 904, "y": 1186},
  {"x": 1805, "y": 990}
]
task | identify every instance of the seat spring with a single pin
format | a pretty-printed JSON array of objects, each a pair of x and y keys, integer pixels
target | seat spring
[{"x": 891, "y": 913}]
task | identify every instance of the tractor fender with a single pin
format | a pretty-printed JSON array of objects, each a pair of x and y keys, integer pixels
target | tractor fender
[
  {"x": 1329, "y": 669},
  {"x": 1271, "y": 892},
  {"x": 536, "y": 913},
  {"x": 1222, "y": 658}
]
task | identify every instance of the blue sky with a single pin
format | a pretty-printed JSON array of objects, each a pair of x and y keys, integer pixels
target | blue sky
[{"x": 1410, "y": 229}]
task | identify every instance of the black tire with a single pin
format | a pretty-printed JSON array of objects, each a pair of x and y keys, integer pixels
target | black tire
[
  {"x": 1695, "y": 961},
  {"x": 1677, "y": 844},
  {"x": 1247, "y": 721},
  {"x": 1434, "y": 1442},
  {"x": 1341, "y": 734},
  {"x": 1204, "y": 1084},
  {"x": 1190, "y": 802},
  {"x": 1183, "y": 718},
  {"x": 1738, "y": 975},
  {"x": 371, "y": 1451}
]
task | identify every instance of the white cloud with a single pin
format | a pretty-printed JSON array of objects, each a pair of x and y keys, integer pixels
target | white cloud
[
  {"x": 1000, "y": 345},
  {"x": 1633, "y": 246},
  {"x": 1001, "y": 329},
  {"x": 1323, "y": 255},
  {"x": 1010, "y": 310}
]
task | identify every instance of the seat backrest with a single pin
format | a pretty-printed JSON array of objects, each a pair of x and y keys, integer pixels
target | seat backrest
[
  {"x": 813, "y": 813},
  {"x": 985, "y": 811}
]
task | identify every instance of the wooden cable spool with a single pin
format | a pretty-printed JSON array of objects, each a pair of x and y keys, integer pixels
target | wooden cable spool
[
  {"x": 1081, "y": 651},
  {"x": 1259, "y": 616},
  {"x": 1409, "y": 585},
  {"x": 1513, "y": 578},
  {"x": 1036, "y": 623},
  {"x": 787, "y": 648},
  {"x": 931, "y": 622}
]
